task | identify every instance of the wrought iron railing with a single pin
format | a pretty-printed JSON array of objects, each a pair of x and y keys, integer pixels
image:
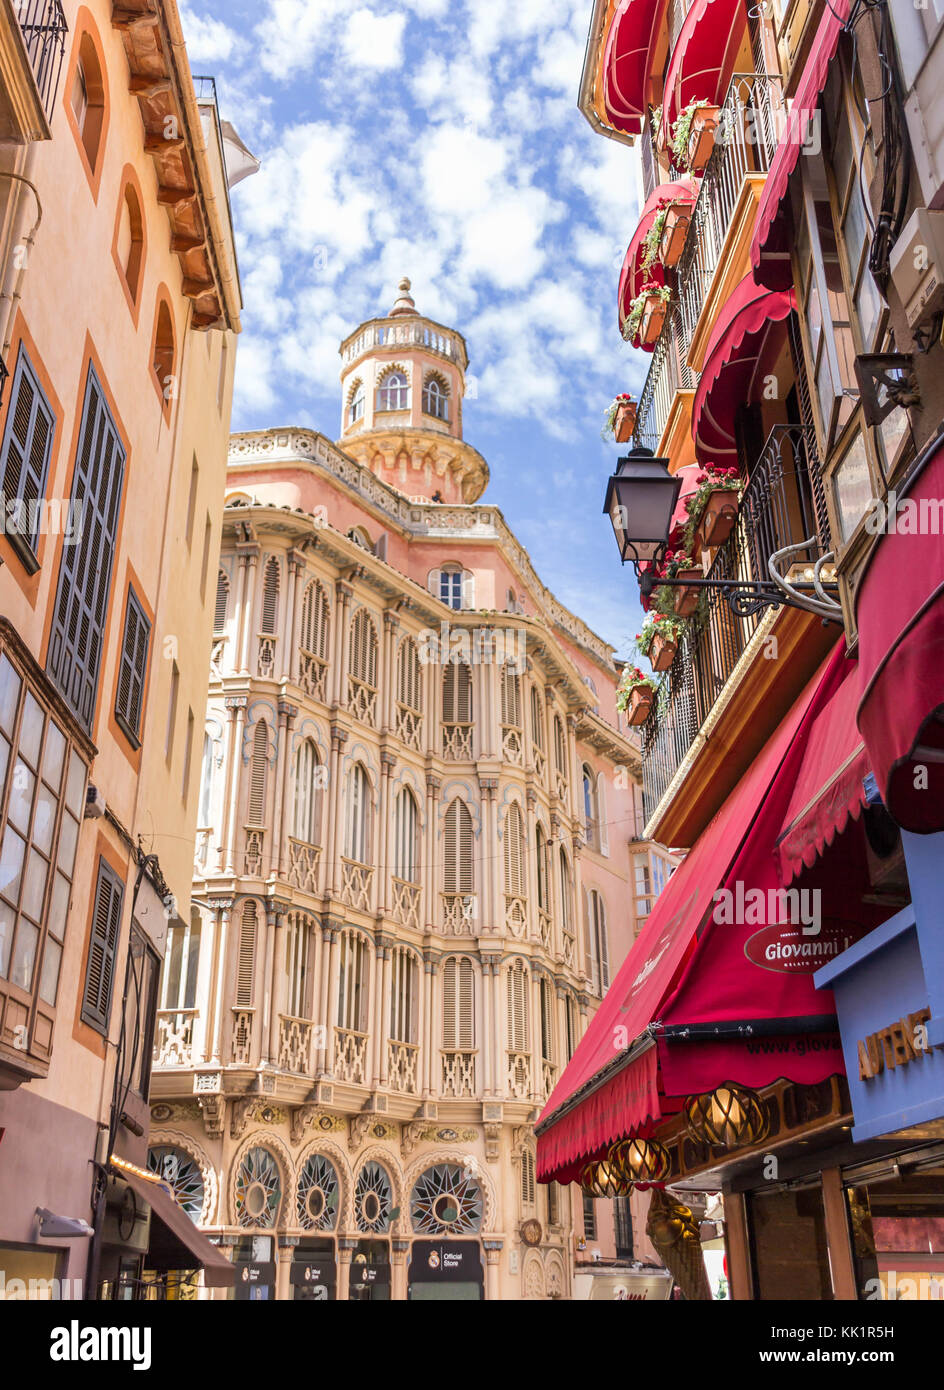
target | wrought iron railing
[
  {"x": 44, "y": 28},
  {"x": 669, "y": 373},
  {"x": 781, "y": 506}
]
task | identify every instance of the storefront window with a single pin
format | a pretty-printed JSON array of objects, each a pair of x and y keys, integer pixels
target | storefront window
[
  {"x": 254, "y": 1258},
  {"x": 370, "y": 1272},
  {"x": 789, "y": 1252},
  {"x": 897, "y": 1227}
]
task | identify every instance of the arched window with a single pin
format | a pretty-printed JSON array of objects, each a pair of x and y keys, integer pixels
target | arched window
[
  {"x": 457, "y": 710},
  {"x": 446, "y": 1200},
  {"x": 357, "y": 846},
  {"x": 129, "y": 240},
  {"x": 258, "y": 772},
  {"x": 567, "y": 918},
  {"x": 165, "y": 353},
  {"x": 405, "y": 823},
  {"x": 359, "y": 536},
  {"x": 590, "y": 817},
  {"x": 270, "y": 597},
  {"x": 457, "y": 848},
  {"x": 87, "y": 100},
  {"x": 516, "y": 998},
  {"x": 540, "y": 842},
  {"x": 560, "y": 749},
  {"x": 258, "y": 1189},
  {"x": 362, "y": 667},
  {"x": 206, "y": 783},
  {"x": 393, "y": 392},
  {"x": 182, "y": 962},
  {"x": 514, "y": 848},
  {"x": 537, "y": 727},
  {"x": 356, "y": 400},
  {"x": 309, "y": 783},
  {"x": 222, "y": 602},
  {"x": 182, "y": 1174},
  {"x": 313, "y": 640},
  {"x": 404, "y": 995},
  {"x": 297, "y": 965},
  {"x": 455, "y": 586},
  {"x": 436, "y": 398},
  {"x": 597, "y": 943},
  {"x": 354, "y": 965},
  {"x": 409, "y": 693},
  {"x": 458, "y": 1000}
]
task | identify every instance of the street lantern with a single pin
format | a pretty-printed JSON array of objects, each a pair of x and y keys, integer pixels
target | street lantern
[{"x": 640, "y": 500}]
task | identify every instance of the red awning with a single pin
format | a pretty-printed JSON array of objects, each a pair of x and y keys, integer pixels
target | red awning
[
  {"x": 735, "y": 363},
  {"x": 829, "y": 786},
  {"x": 627, "y": 62},
  {"x": 900, "y": 620},
  {"x": 770, "y": 246},
  {"x": 175, "y": 1242},
  {"x": 611, "y": 1088},
  {"x": 703, "y": 58},
  {"x": 632, "y": 277}
]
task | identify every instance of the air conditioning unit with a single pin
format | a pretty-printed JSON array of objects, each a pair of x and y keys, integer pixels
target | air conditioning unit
[
  {"x": 917, "y": 265},
  {"x": 127, "y": 1218}
]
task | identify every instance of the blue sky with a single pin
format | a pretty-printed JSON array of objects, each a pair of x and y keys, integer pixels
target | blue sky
[{"x": 439, "y": 139}]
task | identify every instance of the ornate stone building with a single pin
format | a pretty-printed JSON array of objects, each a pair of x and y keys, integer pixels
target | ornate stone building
[{"x": 415, "y": 867}]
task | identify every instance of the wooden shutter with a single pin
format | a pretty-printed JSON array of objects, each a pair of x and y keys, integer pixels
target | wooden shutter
[
  {"x": 26, "y": 449},
  {"x": 527, "y": 1178},
  {"x": 603, "y": 951},
  {"x": 270, "y": 597},
  {"x": 257, "y": 773},
  {"x": 457, "y": 693},
  {"x": 458, "y": 1005},
  {"x": 547, "y": 1036},
  {"x": 75, "y": 643},
  {"x": 537, "y": 718},
  {"x": 540, "y": 842},
  {"x": 566, "y": 906},
  {"x": 409, "y": 687},
  {"x": 433, "y": 583},
  {"x": 132, "y": 667},
  {"x": 315, "y": 618},
  {"x": 222, "y": 601},
  {"x": 517, "y": 1002},
  {"x": 457, "y": 849},
  {"x": 590, "y": 929},
  {"x": 103, "y": 947},
  {"x": 246, "y": 960},
  {"x": 468, "y": 589},
  {"x": 363, "y": 652},
  {"x": 514, "y": 856},
  {"x": 510, "y": 699}
]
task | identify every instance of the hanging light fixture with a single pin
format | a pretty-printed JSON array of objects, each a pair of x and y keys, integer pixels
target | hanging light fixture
[
  {"x": 640, "y": 1160},
  {"x": 730, "y": 1117},
  {"x": 604, "y": 1179}
]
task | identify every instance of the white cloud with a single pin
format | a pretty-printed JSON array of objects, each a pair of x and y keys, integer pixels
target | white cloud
[
  {"x": 373, "y": 41},
  {"x": 290, "y": 32},
  {"x": 208, "y": 40}
]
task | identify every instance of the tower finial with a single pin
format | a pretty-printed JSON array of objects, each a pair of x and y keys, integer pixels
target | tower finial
[{"x": 404, "y": 303}]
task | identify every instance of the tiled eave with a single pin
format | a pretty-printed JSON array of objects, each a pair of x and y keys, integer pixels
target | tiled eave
[{"x": 161, "y": 81}]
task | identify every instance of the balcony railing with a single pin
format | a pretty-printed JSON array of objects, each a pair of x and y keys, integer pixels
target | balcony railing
[
  {"x": 518, "y": 1075},
  {"x": 242, "y": 1036},
  {"x": 669, "y": 373},
  {"x": 457, "y": 742},
  {"x": 253, "y": 853},
  {"x": 173, "y": 1046},
  {"x": 312, "y": 675},
  {"x": 350, "y": 1056},
  {"x": 782, "y": 505},
  {"x": 458, "y": 1074},
  {"x": 402, "y": 1059},
  {"x": 44, "y": 28},
  {"x": 406, "y": 902},
  {"x": 516, "y": 915},
  {"x": 265, "y": 666},
  {"x": 548, "y": 1077},
  {"x": 303, "y": 865},
  {"x": 295, "y": 1036},
  {"x": 512, "y": 745},
  {"x": 356, "y": 880},
  {"x": 458, "y": 915},
  {"x": 362, "y": 701},
  {"x": 745, "y": 142},
  {"x": 410, "y": 726}
]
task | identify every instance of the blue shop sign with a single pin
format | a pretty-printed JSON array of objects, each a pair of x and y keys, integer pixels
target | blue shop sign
[{"x": 888, "y": 992}]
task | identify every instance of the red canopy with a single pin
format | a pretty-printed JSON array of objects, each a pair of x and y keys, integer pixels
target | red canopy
[
  {"x": 632, "y": 277},
  {"x": 734, "y": 362},
  {"x": 610, "y": 1087},
  {"x": 703, "y": 57},
  {"x": 770, "y": 246},
  {"x": 900, "y": 620},
  {"x": 627, "y": 62},
  {"x": 829, "y": 786}
]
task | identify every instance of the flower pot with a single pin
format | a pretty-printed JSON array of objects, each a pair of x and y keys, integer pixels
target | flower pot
[
  {"x": 686, "y": 599},
  {"x": 640, "y": 703},
  {"x": 662, "y": 653},
  {"x": 624, "y": 422},
  {"x": 701, "y": 139},
  {"x": 717, "y": 520},
  {"x": 674, "y": 233},
  {"x": 653, "y": 317}
]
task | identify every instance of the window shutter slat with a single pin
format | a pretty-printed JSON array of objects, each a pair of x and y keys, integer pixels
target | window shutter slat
[
  {"x": 245, "y": 966},
  {"x": 257, "y": 776},
  {"x": 26, "y": 449},
  {"x": 133, "y": 664},
  {"x": 103, "y": 946},
  {"x": 222, "y": 601}
]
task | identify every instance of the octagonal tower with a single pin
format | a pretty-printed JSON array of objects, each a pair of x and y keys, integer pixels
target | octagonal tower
[{"x": 402, "y": 383}]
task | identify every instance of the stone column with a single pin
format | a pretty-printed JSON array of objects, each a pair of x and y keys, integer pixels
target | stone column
[
  {"x": 224, "y": 907},
  {"x": 324, "y": 1060},
  {"x": 242, "y": 560},
  {"x": 274, "y": 976},
  {"x": 382, "y": 895},
  {"x": 236, "y": 705},
  {"x": 296, "y": 569},
  {"x": 283, "y": 1286},
  {"x": 531, "y": 849},
  {"x": 424, "y": 1012},
  {"x": 251, "y": 553},
  {"x": 493, "y": 1250},
  {"x": 342, "y": 610},
  {"x": 287, "y": 716},
  {"x": 345, "y": 1253},
  {"x": 534, "y": 1031},
  {"x": 398, "y": 1273},
  {"x": 375, "y": 1026},
  {"x": 383, "y": 1015},
  {"x": 335, "y": 835},
  {"x": 489, "y": 864},
  {"x": 432, "y": 868},
  {"x": 388, "y": 671}
]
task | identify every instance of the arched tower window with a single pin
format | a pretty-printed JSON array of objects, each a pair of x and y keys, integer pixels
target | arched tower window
[
  {"x": 393, "y": 392},
  {"x": 404, "y": 995},
  {"x": 457, "y": 849},
  {"x": 457, "y": 710},
  {"x": 514, "y": 848},
  {"x": 436, "y": 397},
  {"x": 458, "y": 996},
  {"x": 356, "y": 401},
  {"x": 313, "y": 640}
]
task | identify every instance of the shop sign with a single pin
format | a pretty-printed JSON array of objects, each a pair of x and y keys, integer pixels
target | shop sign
[
  {"x": 370, "y": 1274},
  {"x": 434, "y": 1260},
  {"x": 901, "y": 1042},
  {"x": 256, "y": 1274},
  {"x": 783, "y": 947},
  {"x": 314, "y": 1273}
]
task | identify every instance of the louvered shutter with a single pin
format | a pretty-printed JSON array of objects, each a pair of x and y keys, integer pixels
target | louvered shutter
[
  {"x": 591, "y": 935},
  {"x": 134, "y": 652},
  {"x": 457, "y": 693},
  {"x": 458, "y": 849},
  {"x": 527, "y": 1178},
  {"x": 409, "y": 686},
  {"x": 514, "y": 869},
  {"x": 257, "y": 773},
  {"x": 468, "y": 589},
  {"x": 363, "y": 651},
  {"x": 602, "y": 944},
  {"x": 510, "y": 699},
  {"x": 75, "y": 644},
  {"x": 537, "y": 718},
  {"x": 270, "y": 597},
  {"x": 433, "y": 583},
  {"x": 517, "y": 1001},
  {"x": 26, "y": 450},
  {"x": 222, "y": 601},
  {"x": 547, "y": 1045},
  {"x": 246, "y": 960},
  {"x": 103, "y": 947}
]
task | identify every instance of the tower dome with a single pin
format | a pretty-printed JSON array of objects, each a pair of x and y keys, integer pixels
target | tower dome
[{"x": 402, "y": 387}]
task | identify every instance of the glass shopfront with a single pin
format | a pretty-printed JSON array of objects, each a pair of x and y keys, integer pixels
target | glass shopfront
[
  {"x": 370, "y": 1272},
  {"x": 897, "y": 1227},
  {"x": 446, "y": 1270},
  {"x": 254, "y": 1259},
  {"x": 314, "y": 1272}
]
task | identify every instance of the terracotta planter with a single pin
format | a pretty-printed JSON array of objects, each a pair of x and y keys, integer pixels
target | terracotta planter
[
  {"x": 701, "y": 139},
  {"x": 717, "y": 520},
  {"x": 653, "y": 317},
  {"x": 624, "y": 422},
  {"x": 674, "y": 233},
  {"x": 686, "y": 600},
  {"x": 662, "y": 653},
  {"x": 640, "y": 703}
]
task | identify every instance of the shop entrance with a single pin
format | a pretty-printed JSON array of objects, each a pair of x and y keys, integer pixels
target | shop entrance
[
  {"x": 314, "y": 1272},
  {"x": 897, "y": 1227},
  {"x": 255, "y": 1266},
  {"x": 370, "y": 1272},
  {"x": 443, "y": 1270}
]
